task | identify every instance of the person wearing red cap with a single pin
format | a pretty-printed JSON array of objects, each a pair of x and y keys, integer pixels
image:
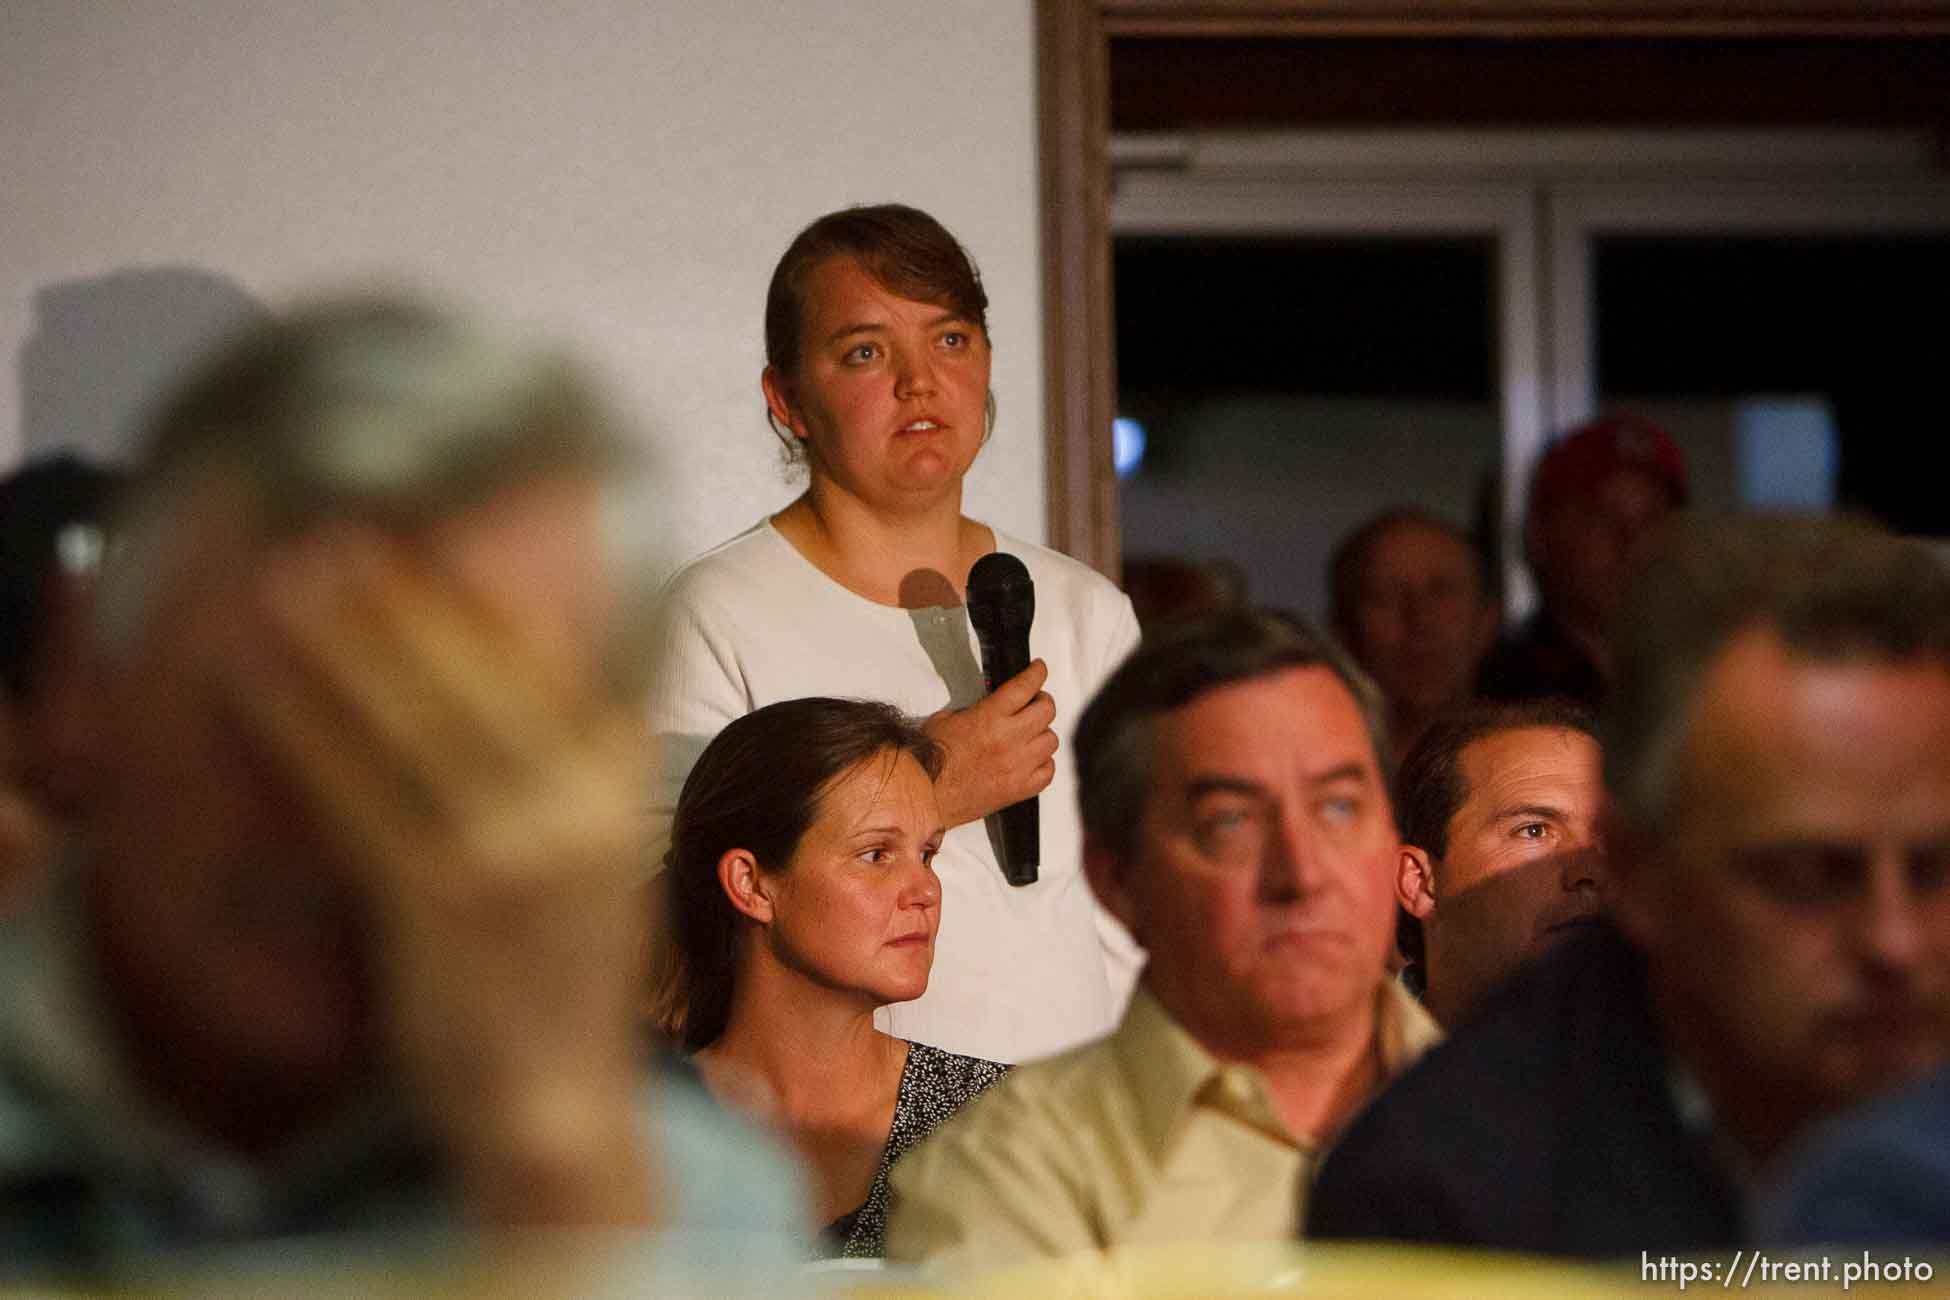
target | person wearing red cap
[{"x": 1593, "y": 495}]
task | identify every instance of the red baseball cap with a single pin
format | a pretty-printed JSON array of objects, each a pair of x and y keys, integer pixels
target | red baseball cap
[{"x": 1588, "y": 454}]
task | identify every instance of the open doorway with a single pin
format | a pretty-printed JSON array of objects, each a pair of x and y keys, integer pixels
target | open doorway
[{"x": 1112, "y": 70}]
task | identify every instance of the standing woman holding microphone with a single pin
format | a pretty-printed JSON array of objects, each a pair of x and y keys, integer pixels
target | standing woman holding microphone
[{"x": 877, "y": 379}]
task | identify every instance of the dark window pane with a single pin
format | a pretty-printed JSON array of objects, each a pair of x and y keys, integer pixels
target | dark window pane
[
  {"x": 1396, "y": 317},
  {"x": 1855, "y": 322},
  {"x": 1291, "y": 387}
]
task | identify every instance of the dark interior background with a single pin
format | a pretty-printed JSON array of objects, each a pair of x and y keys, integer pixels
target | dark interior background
[{"x": 1262, "y": 344}]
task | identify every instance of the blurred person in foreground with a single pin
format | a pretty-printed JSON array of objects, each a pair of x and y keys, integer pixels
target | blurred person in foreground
[
  {"x": 802, "y": 896},
  {"x": 1777, "y": 750},
  {"x": 1236, "y": 818},
  {"x": 1876, "y": 1176},
  {"x": 1170, "y": 589},
  {"x": 1501, "y": 856},
  {"x": 54, "y": 517},
  {"x": 1593, "y": 496},
  {"x": 1412, "y": 603},
  {"x": 876, "y": 380},
  {"x": 351, "y": 944}
]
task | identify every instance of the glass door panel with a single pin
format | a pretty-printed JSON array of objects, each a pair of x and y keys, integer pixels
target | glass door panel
[
  {"x": 1797, "y": 370},
  {"x": 1290, "y": 387}
]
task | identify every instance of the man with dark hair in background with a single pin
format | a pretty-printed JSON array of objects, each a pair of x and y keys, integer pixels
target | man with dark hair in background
[
  {"x": 1501, "y": 853},
  {"x": 1411, "y": 601},
  {"x": 1594, "y": 495},
  {"x": 1236, "y": 819},
  {"x": 1777, "y": 747}
]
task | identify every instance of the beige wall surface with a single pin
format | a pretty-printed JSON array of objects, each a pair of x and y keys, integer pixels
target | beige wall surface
[{"x": 618, "y": 173}]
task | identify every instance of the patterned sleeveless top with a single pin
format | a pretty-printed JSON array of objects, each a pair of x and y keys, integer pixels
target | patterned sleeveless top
[{"x": 933, "y": 1085}]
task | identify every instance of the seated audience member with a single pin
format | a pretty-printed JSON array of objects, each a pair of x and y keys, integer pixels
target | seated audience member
[
  {"x": 1236, "y": 819},
  {"x": 351, "y": 943},
  {"x": 1501, "y": 855},
  {"x": 1593, "y": 496},
  {"x": 1171, "y": 589},
  {"x": 1411, "y": 602},
  {"x": 1877, "y": 1176},
  {"x": 53, "y": 514},
  {"x": 802, "y": 896},
  {"x": 1778, "y": 752}
]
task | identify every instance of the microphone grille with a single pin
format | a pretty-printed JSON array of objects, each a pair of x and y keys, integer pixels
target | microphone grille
[{"x": 999, "y": 586}]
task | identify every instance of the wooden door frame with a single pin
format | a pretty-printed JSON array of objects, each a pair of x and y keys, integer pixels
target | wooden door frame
[{"x": 1073, "y": 90}]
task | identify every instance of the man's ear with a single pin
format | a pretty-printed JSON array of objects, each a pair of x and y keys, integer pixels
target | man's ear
[
  {"x": 745, "y": 885},
  {"x": 1414, "y": 881},
  {"x": 778, "y": 399},
  {"x": 1109, "y": 881}
]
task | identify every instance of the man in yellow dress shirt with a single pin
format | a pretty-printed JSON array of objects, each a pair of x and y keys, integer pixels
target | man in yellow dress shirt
[{"x": 1236, "y": 819}]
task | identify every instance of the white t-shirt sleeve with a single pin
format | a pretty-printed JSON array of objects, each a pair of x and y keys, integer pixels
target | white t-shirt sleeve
[{"x": 697, "y": 686}]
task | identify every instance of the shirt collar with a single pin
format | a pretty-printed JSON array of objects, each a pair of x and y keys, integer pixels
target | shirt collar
[
  {"x": 1170, "y": 1072},
  {"x": 1165, "y": 1066},
  {"x": 1407, "y": 1029}
]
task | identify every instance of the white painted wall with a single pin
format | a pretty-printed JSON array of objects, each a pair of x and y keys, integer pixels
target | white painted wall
[{"x": 621, "y": 173}]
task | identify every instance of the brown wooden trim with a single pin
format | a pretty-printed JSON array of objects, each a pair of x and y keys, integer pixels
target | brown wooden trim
[
  {"x": 1073, "y": 87},
  {"x": 1507, "y": 27},
  {"x": 1189, "y": 83},
  {"x": 1521, "y": 17}
]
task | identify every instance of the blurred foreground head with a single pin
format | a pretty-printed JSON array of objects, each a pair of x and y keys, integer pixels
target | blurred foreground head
[
  {"x": 366, "y": 540},
  {"x": 1778, "y": 746},
  {"x": 390, "y": 411}
]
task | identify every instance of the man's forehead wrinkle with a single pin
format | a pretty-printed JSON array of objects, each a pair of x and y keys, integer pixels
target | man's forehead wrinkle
[
  {"x": 1787, "y": 832},
  {"x": 1199, "y": 784},
  {"x": 1271, "y": 731},
  {"x": 1355, "y": 768},
  {"x": 1766, "y": 712},
  {"x": 1535, "y": 793}
]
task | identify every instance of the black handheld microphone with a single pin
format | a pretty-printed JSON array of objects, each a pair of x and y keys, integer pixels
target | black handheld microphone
[{"x": 1001, "y": 605}]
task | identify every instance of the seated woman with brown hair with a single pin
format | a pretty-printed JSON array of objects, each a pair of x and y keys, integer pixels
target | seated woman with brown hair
[{"x": 802, "y": 897}]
